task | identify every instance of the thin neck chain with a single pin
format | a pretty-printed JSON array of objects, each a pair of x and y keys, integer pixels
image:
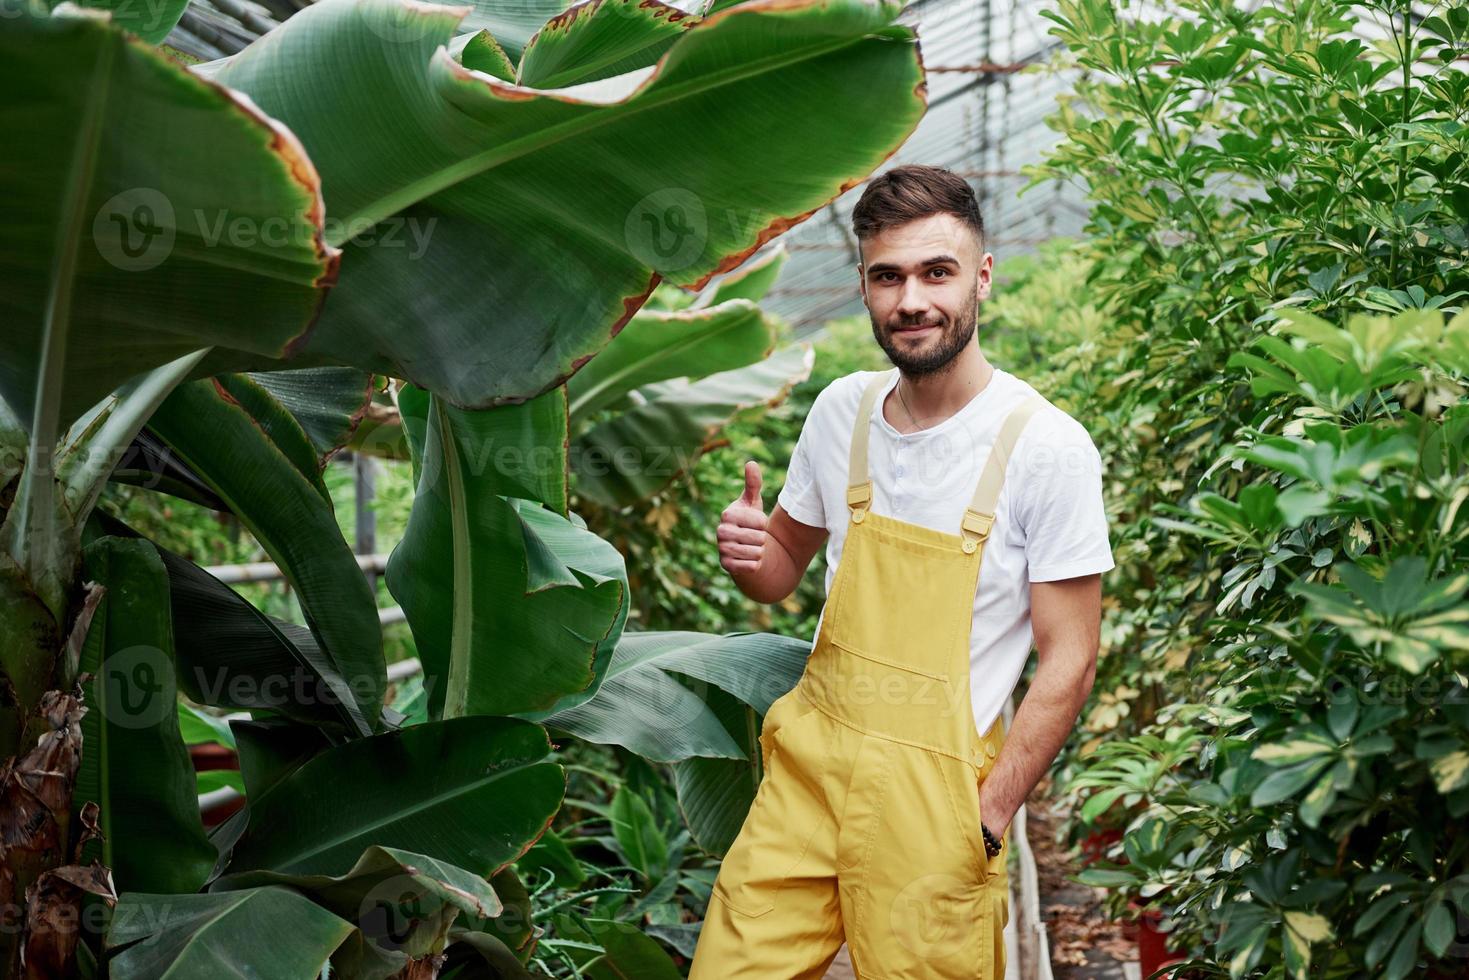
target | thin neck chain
[
  {"x": 904, "y": 401},
  {"x": 905, "y": 405}
]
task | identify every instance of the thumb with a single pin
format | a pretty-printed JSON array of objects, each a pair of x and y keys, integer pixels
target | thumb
[{"x": 752, "y": 484}]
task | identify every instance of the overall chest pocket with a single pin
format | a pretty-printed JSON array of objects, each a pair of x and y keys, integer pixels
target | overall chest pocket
[{"x": 902, "y": 602}]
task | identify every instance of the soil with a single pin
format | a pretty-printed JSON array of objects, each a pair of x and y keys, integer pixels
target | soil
[{"x": 841, "y": 967}]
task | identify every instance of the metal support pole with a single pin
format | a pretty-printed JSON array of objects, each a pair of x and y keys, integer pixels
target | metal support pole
[{"x": 364, "y": 470}]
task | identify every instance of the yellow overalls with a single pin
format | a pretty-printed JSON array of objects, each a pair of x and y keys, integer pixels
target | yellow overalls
[{"x": 866, "y": 823}]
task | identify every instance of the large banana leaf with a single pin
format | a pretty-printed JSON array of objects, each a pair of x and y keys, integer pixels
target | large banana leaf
[
  {"x": 514, "y": 450},
  {"x": 498, "y": 255},
  {"x": 513, "y": 931},
  {"x": 471, "y": 792},
  {"x": 229, "y": 654},
  {"x": 599, "y": 39},
  {"x": 151, "y": 20},
  {"x": 514, "y": 607},
  {"x": 658, "y": 345},
  {"x": 512, "y": 24},
  {"x": 401, "y": 902},
  {"x": 232, "y": 655},
  {"x": 134, "y": 763},
  {"x": 678, "y": 421},
  {"x": 255, "y": 457},
  {"x": 127, "y": 180},
  {"x": 753, "y": 279},
  {"x": 644, "y": 705},
  {"x": 714, "y": 795},
  {"x": 329, "y": 403},
  {"x": 273, "y": 932}
]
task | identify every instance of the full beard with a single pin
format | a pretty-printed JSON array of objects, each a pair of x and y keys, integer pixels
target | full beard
[{"x": 935, "y": 356}]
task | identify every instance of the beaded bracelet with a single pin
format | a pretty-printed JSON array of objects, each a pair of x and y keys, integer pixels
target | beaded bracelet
[{"x": 991, "y": 843}]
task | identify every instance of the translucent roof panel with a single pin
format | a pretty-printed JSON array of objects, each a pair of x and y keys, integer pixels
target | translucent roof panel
[{"x": 985, "y": 121}]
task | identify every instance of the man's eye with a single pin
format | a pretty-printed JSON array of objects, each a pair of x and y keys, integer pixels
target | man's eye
[{"x": 944, "y": 271}]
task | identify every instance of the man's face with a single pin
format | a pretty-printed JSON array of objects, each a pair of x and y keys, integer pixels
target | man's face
[{"x": 922, "y": 283}]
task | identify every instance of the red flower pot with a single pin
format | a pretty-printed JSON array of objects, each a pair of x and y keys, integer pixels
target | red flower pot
[
  {"x": 1153, "y": 948},
  {"x": 1094, "y": 845},
  {"x": 216, "y": 815},
  {"x": 211, "y": 755},
  {"x": 208, "y": 757}
]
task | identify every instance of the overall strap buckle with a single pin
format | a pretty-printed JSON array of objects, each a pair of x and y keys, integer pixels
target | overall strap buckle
[
  {"x": 980, "y": 516},
  {"x": 859, "y": 495},
  {"x": 978, "y": 525}
]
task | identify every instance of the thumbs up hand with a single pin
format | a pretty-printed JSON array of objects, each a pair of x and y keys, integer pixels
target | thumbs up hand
[{"x": 741, "y": 533}]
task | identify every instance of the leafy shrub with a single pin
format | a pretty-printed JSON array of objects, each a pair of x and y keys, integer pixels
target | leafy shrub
[{"x": 1279, "y": 228}]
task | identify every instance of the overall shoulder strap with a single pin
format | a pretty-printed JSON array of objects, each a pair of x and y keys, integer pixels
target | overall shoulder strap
[
  {"x": 980, "y": 516},
  {"x": 859, "y": 486}
]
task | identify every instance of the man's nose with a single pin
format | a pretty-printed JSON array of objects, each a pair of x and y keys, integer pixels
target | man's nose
[{"x": 912, "y": 302}]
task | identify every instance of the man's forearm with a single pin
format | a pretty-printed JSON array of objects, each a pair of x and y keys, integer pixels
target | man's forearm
[
  {"x": 776, "y": 577},
  {"x": 1043, "y": 721}
]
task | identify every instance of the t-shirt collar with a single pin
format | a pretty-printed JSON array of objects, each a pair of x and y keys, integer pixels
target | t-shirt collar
[{"x": 973, "y": 405}]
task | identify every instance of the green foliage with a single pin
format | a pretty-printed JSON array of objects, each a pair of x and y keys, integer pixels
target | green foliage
[
  {"x": 1265, "y": 347},
  {"x": 676, "y": 582},
  {"x": 617, "y": 863}
]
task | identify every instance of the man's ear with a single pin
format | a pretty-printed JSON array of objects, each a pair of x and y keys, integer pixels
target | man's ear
[{"x": 984, "y": 277}]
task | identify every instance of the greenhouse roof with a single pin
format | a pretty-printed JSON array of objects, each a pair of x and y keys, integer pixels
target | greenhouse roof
[{"x": 985, "y": 120}]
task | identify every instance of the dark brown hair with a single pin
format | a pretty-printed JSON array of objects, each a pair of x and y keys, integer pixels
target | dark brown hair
[{"x": 913, "y": 191}]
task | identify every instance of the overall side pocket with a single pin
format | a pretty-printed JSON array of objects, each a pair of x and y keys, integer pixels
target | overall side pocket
[{"x": 773, "y": 840}]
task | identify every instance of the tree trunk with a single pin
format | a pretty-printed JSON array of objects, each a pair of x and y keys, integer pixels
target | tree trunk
[
  {"x": 41, "y": 887},
  {"x": 425, "y": 968}
]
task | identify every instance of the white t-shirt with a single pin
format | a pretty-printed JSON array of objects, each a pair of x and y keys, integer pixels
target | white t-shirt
[{"x": 1049, "y": 522}]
